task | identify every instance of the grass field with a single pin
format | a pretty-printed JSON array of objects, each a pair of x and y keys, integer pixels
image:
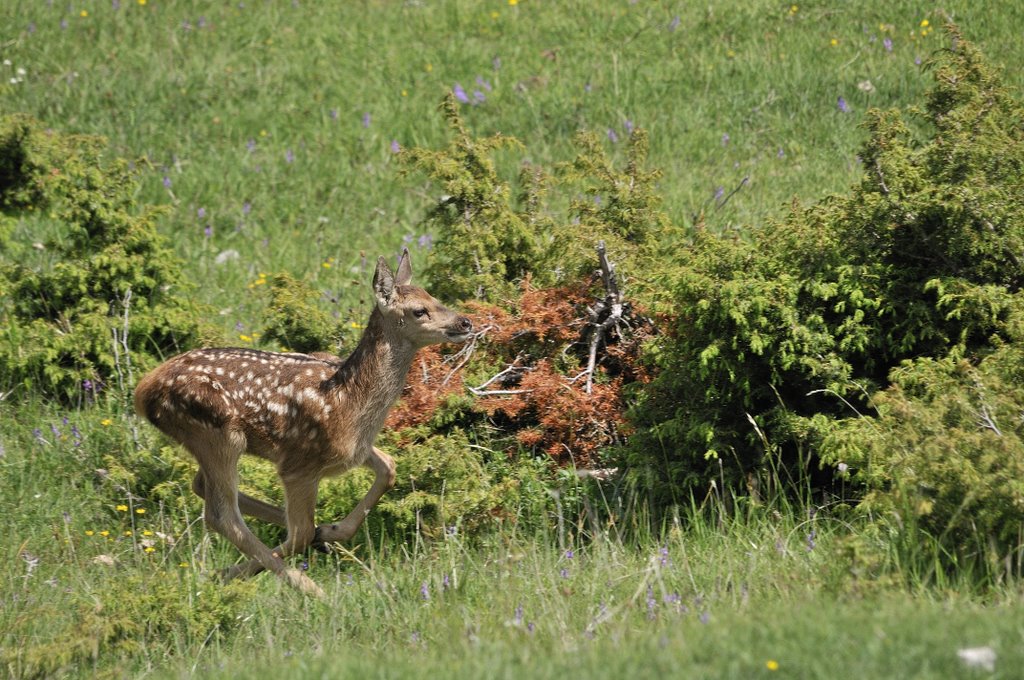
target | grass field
[{"x": 268, "y": 129}]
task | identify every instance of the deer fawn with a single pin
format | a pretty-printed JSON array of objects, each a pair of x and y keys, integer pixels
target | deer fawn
[{"x": 311, "y": 415}]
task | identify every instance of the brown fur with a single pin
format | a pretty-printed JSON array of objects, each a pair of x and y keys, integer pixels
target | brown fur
[{"x": 311, "y": 415}]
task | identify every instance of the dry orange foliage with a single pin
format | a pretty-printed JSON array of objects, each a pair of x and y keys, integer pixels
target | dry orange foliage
[{"x": 542, "y": 402}]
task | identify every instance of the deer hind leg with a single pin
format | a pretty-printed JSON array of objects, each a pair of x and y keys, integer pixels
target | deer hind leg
[
  {"x": 250, "y": 506},
  {"x": 383, "y": 467},
  {"x": 218, "y": 464},
  {"x": 300, "y": 505}
]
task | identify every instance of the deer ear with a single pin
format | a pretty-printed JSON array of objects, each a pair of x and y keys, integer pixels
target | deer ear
[
  {"x": 383, "y": 283},
  {"x": 404, "y": 275}
]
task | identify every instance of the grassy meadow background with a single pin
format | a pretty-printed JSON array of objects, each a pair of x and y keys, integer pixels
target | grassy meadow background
[{"x": 269, "y": 130}]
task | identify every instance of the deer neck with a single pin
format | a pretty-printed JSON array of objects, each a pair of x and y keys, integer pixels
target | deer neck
[{"x": 373, "y": 376}]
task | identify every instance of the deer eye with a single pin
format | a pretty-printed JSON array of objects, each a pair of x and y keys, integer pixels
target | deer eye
[{"x": 420, "y": 313}]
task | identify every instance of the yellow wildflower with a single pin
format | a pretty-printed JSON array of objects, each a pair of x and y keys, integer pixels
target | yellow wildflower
[
  {"x": 106, "y": 422},
  {"x": 772, "y": 665},
  {"x": 122, "y": 508},
  {"x": 147, "y": 532},
  {"x": 924, "y": 23},
  {"x": 84, "y": 13},
  {"x": 89, "y": 532},
  {"x": 149, "y": 549},
  {"x": 140, "y": 511},
  {"x": 183, "y": 565},
  {"x": 128, "y": 532},
  {"x": 834, "y": 42},
  {"x": 104, "y": 533},
  {"x": 142, "y": 2},
  {"x": 513, "y": 3}
]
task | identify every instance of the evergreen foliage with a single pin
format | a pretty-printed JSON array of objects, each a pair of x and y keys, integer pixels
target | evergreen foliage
[
  {"x": 293, "y": 318},
  {"x": 111, "y": 292},
  {"x": 782, "y": 338}
]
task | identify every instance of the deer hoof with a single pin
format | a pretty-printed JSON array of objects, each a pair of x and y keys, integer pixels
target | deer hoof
[{"x": 303, "y": 583}]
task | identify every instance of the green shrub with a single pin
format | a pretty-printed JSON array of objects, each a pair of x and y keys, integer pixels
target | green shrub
[
  {"x": 294, "y": 320},
  {"x": 105, "y": 293},
  {"x": 945, "y": 457},
  {"x": 483, "y": 244},
  {"x": 777, "y": 337}
]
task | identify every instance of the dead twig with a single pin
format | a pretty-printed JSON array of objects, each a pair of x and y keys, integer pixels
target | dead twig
[{"x": 612, "y": 304}]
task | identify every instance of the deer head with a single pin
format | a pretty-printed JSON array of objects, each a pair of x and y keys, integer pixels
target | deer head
[{"x": 412, "y": 312}]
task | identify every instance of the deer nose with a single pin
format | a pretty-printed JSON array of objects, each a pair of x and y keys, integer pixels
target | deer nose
[{"x": 464, "y": 324}]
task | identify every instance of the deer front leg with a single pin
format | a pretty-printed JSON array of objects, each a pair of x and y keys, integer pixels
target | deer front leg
[{"x": 383, "y": 467}]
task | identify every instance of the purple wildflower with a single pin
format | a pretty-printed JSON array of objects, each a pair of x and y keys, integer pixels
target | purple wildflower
[
  {"x": 425, "y": 591},
  {"x": 564, "y": 573},
  {"x": 664, "y": 555},
  {"x": 704, "y": 617},
  {"x": 334, "y": 114},
  {"x": 587, "y": 87},
  {"x": 517, "y": 616},
  {"x": 246, "y": 208},
  {"x": 202, "y": 22},
  {"x": 628, "y": 125},
  {"x": 674, "y": 24},
  {"x": 810, "y": 539},
  {"x": 289, "y": 156},
  {"x": 479, "y": 97},
  {"x": 250, "y": 146},
  {"x": 652, "y": 604},
  {"x": 38, "y": 434},
  {"x": 305, "y": 565},
  {"x": 115, "y": 4},
  {"x": 201, "y": 213},
  {"x": 208, "y": 231},
  {"x": 167, "y": 182},
  {"x": 719, "y": 192},
  {"x": 395, "y": 146},
  {"x": 917, "y": 61},
  {"x": 87, "y": 385},
  {"x": 31, "y": 27},
  {"x": 569, "y": 554},
  {"x": 425, "y": 241},
  {"x": 842, "y": 105},
  {"x": 613, "y": 136},
  {"x": 530, "y": 627},
  {"x": 496, "y": 63},
  {"x": 483, "y": 83},
  {"x": 63, "y": 24},
  {"x": 445, "y": 582},
  {"x": 888, "y": 44},
  {"x": 781, "y": 153},
  {"x": 460, "y": 94},
  {"x": 366, "y": 120},
  {"x": 725, "y": 139}
]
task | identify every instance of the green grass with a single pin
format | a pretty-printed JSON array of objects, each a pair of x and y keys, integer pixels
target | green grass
[
  {"x": 263, "y": 106},
  {"x": 190, "y": 99},
  {"x": 719, "y": 593}
]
